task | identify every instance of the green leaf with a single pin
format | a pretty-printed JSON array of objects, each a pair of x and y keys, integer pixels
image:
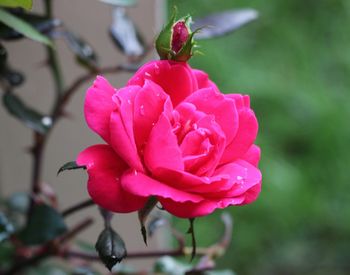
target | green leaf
[
  {"x": 6, "y": 227},
  {"x": 41, "y": 23},
  {"x": 71, "y": 165},
  {"x": 110, "y": 247},
  {"x": 222, "y": 23},
  {"x": 23, "y": 27},
  {"x": 143, "y": 214},
  {"x": 28, "y": 116},
  {"x": 44, "y": 224},
  {"x": 154, "y": 224},
  {"x": 84, "y": 53},
  {"x": 26, "y": 4},
  {"x": 7, "y": 254},
  {"x": 125, "y": 34}
]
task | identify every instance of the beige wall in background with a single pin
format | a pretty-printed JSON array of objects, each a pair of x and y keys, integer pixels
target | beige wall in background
[{"x": 90, "y": 19}]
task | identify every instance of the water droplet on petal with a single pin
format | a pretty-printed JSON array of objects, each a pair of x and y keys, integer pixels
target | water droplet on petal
[
  {"x": 156, "y": 69},
  {"x": 129, "y": 101},
  {"x": 135, "y": 173},
  {"x": 147, "y": 74},
  {"x": 142, "y": 110},
  {"x": 195, "y": 126}
]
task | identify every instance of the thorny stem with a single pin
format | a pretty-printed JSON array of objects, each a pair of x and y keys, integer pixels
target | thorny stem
[{"x": 40, "y": 139}]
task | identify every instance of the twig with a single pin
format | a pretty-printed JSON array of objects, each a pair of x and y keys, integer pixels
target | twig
[
  {"x": 75, "y": 230},
  {"x": 49, "y": 249},
  {"x": 77, "y": 207},
  {"x": 67, "y": 94}
]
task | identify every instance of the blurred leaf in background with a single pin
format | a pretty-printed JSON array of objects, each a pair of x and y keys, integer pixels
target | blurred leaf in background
[
  {"x": 294, "y": 62},
  {"x": 22, "y": 27},
  {"x": 26, "y": 4}
]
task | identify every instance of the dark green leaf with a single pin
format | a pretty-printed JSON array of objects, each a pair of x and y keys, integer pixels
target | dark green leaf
[
  {"x": 26, "y": 4},
  {"x": 125, "y": 35},
  {"x": 7, "y": 254},
  {"x": 22, "y": 27},
  {"x": 41, "y": 23},
  {"x": 44, "y": 224},
  {"x": 83, "y": 51},
  {"x": 143, "y": 214},
  {"x": 14, "y": 78},
  {"x": 71, "y": 165},
  {"x": 219, "y": 24},
  {"x": 30, "y": 117},
  {"x": 193, "y": 237},
  {"x": 110, "y": 247},
  {"x": 6, "y": 227},
  {"x": 154, "y": 224}
]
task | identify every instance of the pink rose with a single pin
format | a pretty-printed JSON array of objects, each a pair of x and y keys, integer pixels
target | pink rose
[{"x": 171, "y": 134}]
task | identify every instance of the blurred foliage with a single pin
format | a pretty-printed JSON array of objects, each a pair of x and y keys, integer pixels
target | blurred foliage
[{"x": 294, "y": 62}]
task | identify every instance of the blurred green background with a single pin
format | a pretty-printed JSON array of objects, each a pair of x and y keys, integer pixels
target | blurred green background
[{"x": 294, "y": 62}]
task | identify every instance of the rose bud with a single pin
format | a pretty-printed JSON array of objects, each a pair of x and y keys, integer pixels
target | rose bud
[
  {"x": 175, "y": 41},
  {"x": 110, "y": 247}
]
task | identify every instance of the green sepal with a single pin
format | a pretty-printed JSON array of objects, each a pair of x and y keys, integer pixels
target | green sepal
[{"x": 163, "y": 41}]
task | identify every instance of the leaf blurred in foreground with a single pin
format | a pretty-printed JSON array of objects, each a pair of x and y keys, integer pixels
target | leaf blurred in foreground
[
  {"x": 41, "y": 23},
  {"x": 125, "y": 35},
  {"x": 219, "y": 24},
  {"x": 44, "y": 224},
  {"x": 82, "y": 50},
  {"x": 26, "y": 4},
  {"x": 23, "y": 27}
]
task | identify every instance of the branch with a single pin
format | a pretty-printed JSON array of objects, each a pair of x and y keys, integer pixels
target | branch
[
  {"x": 49, "y": 249},
  {"x": 67, "y": 94},
  {"x": 77, "y": 207}
]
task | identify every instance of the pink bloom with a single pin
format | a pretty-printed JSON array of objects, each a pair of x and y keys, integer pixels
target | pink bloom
[{"x": 171, "y": 134}]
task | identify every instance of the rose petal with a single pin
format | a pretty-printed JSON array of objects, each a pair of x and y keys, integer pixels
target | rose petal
[
  {"x": 175, "y": 78},
  {"x": 142, "y": 185},
  {"x": 243, "y": 175},
  {"x": 98, "y": 106},
  {"x": 187, "y": 181},
  {"x": 121, "y": 127},
  {"x": 149, "y": 103},
  {"x": 246, "y": 135},
  {"x": 223, "y": 108},
  {"x": 203, "y": 80},
  {"x": 253, "y": 155},
  {"x": 188, "y": 209},
  {"x": 162, "y": 150},
  {"x": 105, "y": 168}
]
